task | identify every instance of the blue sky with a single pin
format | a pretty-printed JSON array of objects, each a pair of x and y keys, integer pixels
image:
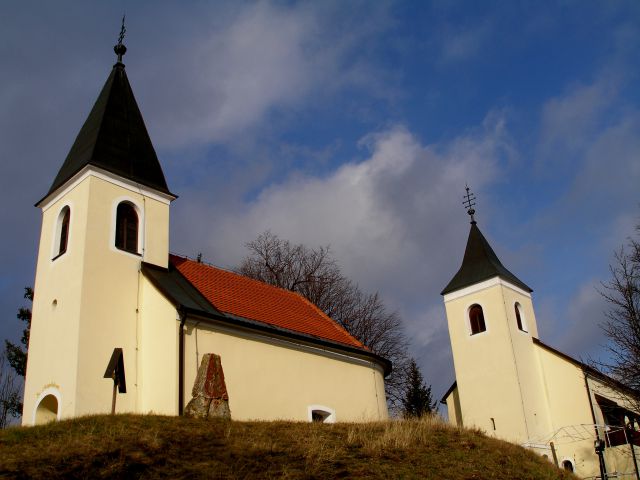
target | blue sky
[{"x": 355, "y": 125}]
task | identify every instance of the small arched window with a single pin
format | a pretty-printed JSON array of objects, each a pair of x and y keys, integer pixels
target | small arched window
[
  {"x": 520, "y": 318},
  {"x": 62, "y": 232},
  {"x": 476, "y": 319},
  {"x": 321, "y": 414},
  {"x": 127, "y": 228}
]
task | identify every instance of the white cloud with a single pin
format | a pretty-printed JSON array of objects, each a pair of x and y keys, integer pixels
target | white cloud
[
  {"x": 459, "y": 44},
  {"x": 585, "y": 313},
  {"x": 388, "y": 219},
  {"x": 570, "y": 120},
  {"x": 263, "y": 57},
  {"x": 384, "y": 216}
]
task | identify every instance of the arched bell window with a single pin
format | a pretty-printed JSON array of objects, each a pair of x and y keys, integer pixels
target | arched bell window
[
  {"x": 62, "y": 232},
  {"x": 476, "y": 319},
  {"x": 522, "y": 326},
  {"x": 127, "y": 228}
]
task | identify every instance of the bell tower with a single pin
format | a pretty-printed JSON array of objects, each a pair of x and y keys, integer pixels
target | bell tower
[
  {"x": 107, "y": 211},
  {"x": 491, "y": 326}
]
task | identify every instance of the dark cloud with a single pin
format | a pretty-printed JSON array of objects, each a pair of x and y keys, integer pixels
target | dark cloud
[{"x": 228, "y": 92}]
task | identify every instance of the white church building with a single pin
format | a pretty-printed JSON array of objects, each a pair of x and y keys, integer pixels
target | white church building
[
  {"x": 109, "y": 296},
  {"x": 515, "y": 387}
]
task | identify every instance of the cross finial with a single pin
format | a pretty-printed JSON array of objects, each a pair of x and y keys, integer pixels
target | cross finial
[
  {"x": 120, "y": 49},
  {"x": 469, "y": 203}
]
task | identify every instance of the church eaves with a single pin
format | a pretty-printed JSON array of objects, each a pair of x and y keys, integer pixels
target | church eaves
[
  {"x": 480, "y": 263},
  {"x": 114, "y": 138}
]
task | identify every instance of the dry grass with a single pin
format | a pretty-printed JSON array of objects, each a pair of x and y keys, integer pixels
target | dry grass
[{"x": 128, "y": 446}]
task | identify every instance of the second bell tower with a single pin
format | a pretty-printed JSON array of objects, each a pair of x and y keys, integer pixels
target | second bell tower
[{"x": 491, "y": 325}]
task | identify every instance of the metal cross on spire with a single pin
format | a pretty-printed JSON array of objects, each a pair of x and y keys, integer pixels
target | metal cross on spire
[
  {"x": 120, "y": 49},
  {"x": 469, "y": 203}
]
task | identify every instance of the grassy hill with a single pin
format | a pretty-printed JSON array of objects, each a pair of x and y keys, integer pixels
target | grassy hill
[{"x": 129, "y": 446}]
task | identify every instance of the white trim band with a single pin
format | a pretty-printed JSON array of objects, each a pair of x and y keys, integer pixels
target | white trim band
[{"x": 477, "y": 287}]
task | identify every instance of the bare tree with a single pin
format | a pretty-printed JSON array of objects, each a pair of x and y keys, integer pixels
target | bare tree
[
  {"x": 10, "y": 398},
  {"x": 315, "y": 274},
  {"x": 622, "y": 327}
]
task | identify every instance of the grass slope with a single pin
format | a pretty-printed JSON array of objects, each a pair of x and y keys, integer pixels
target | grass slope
[{"x": 130, "y": 446}]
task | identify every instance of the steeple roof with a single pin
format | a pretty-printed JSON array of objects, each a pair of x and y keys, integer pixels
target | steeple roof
[
  {"x": 114, "y": 138},
  {"x": 480, "y": 263}
]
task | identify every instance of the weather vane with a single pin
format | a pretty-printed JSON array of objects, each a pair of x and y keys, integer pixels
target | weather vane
[
  {"x": 469, "y": 203},
  {"x": 120, "y": 49}
]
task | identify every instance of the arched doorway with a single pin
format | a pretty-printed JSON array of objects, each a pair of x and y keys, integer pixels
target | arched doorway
[{"x": 47, "y": 409}]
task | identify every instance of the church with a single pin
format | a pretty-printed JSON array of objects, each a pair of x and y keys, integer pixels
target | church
[
  {"x": 120, "y": 325},
  {"x": 515, "y": 387}
]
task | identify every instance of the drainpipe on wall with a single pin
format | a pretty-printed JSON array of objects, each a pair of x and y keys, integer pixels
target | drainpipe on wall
[{"x": 183, "y": 319}]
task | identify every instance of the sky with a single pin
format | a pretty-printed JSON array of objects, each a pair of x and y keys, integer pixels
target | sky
[{"x": 355, "y": 125}]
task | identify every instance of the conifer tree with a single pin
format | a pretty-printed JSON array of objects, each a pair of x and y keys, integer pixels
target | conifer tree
[
  {"x": 16, "y": 356},
  {"x": 417, "y": 401}
]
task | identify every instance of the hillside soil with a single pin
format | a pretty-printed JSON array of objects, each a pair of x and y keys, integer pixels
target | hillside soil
[{"x": 131, "y": 446}]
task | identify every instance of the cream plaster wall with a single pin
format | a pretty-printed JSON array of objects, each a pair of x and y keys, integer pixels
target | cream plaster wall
[
  {"x": 53, "y": 343},
  {"x": 568, "y": 405},
  {"x": 271, "y": 380},
  {"x": 158, "y": 353},
  {"x": 536, "y": 411},
  {"x": 97, "y": 288},
  {"x": 453, "y": 408},
  {"x": 496, "y": 370}
]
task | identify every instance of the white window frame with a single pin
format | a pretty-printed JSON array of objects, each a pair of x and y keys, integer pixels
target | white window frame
[
  {"x": 467, "y": 320},
  {"x": 523, "y": 318},
  {"x": 141, "y": 226},
  {"x": 46, "y": 392},
  {"x": 57, "y": 230}
]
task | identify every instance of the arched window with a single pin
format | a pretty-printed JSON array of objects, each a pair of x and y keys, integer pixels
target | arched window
[
  {"x": 127, "y": 228},
  {"x": 520, "y": 318},
  {"x": 476, "y": 319},
  {"x": 62, "y": 231},
  {"x": 567, "y": 465}
]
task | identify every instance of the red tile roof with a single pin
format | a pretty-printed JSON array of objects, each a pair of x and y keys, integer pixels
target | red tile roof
[{"x": 242, "y": 296}]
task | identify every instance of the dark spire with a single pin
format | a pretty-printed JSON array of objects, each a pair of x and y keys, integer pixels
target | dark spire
[
  {"x": 114, "y": 136},
  {"x": 480, "y": 262}
]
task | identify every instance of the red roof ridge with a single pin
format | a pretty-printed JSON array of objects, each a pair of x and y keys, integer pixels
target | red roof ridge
[
  {"x": 187, "y": 258},
  {"x": 233, "y": 272},
  {"x": 335, "y": 324},
  {"x": 178, "y": 260}
]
